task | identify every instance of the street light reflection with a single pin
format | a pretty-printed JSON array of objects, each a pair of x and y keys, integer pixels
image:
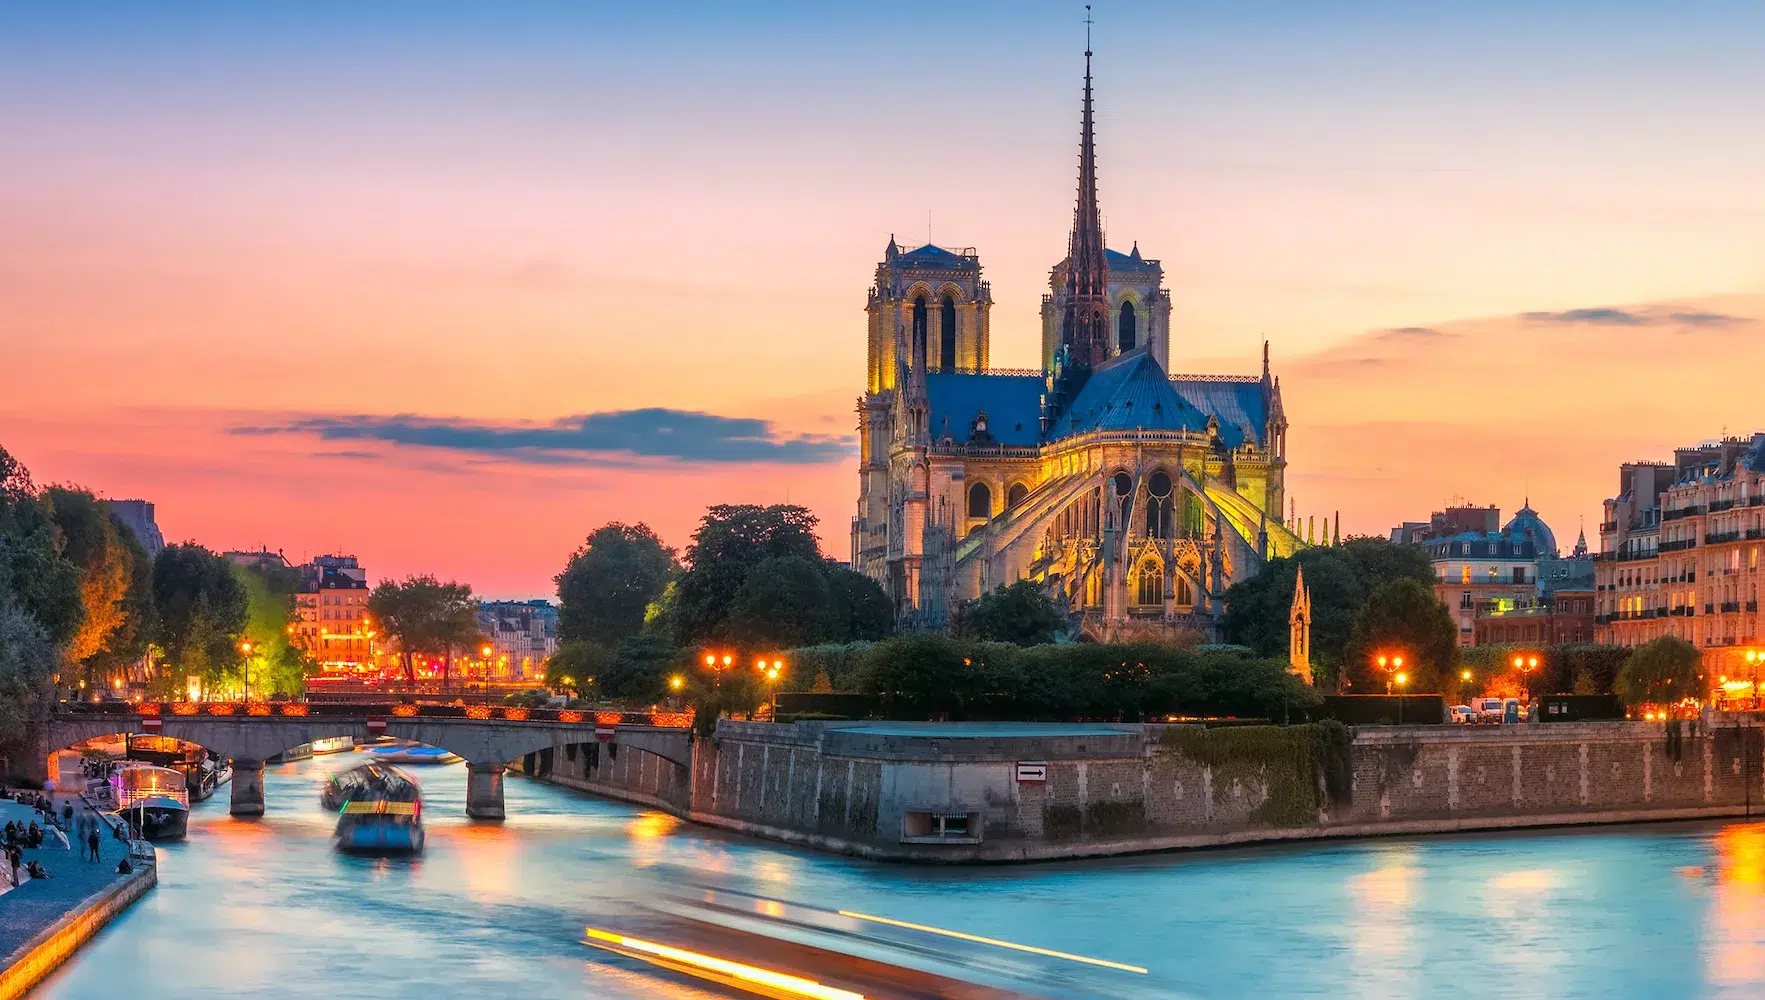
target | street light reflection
[
  {"x": 994, "y": 942},
  {"x": 722, "y": 970}
]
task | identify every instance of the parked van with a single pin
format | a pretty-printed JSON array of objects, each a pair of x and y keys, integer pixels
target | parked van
[{"x": 1487, "y": 709}]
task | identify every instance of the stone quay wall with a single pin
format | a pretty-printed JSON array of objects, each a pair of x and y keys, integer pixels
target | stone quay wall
[
  {"x": 34, "y": 960},
  {"x": 924, "y": 792}
]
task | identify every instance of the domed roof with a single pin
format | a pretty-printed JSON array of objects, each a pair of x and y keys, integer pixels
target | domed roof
[{"x": 1527, "y": 524}]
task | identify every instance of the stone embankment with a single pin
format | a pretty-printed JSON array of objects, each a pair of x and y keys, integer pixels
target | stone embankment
[
  {"x": 1020, "y": 792},
  {"x": 44, "y": 921}
]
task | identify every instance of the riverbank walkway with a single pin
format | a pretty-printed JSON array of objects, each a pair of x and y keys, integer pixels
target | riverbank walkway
[{"x": 36, "y": 904}]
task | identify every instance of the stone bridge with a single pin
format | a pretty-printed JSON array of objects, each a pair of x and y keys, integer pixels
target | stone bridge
[{"x": 487, "y": 739}]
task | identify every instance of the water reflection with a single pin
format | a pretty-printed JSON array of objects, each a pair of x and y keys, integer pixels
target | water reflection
[{"x": 267, "y": 907}]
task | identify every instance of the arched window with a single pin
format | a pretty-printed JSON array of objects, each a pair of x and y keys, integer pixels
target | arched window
[
  {"x": 1151, "y": 585},
  {"x": 1158, "y": 509},
  {"x": 980, "y": 501},
  {"x": 1015, "y": 494},
  {"x": 1124, "y": 328},
  {"x": 918, "y": 331},
  {"x": 1185, "y": 596},
  {"x": 947, "y": 336},
  {"x": 1123, "y": 487}
]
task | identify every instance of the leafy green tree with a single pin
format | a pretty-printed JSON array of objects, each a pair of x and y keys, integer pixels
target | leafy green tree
[
  {"x": 92, "y": 541},
  {"x": 426, "y": 618},
  {"x": 731, "y": 541},
  {"x": 639, "y": 670},
  {"x": 1403, "y": 618},
  {"x": 611, "y": 581},
  {"x": 925, "y": 674},
  {"x": 27, "y": 659},
  {"x": 45, "y": 583},
  {"x": 1022, "y": 614},
  {"x": 862, "y": 609},
  {"x": 1661, "y": 672},
  {"x": 274, "y": 666},
  {"x": 1257, "y": 609},
  {"x": 784, "y": 602},
  {"x": 202, "y": 610},
  {"x": 1379, "y": 561},
  {"x": 577, "y": 666}
]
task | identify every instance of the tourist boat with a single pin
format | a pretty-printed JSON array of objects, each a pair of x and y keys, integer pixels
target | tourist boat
[
  {"x": 379, "y": 810},
  {"x": 414, "y": 753},
  {"x": 301, "y": 752},
  {"x": 203, "y": 771},
  {"x": 154, "y": 800}
]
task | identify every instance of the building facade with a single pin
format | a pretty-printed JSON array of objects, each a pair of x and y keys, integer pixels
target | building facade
[
  {"x": 1134, "y": 496},
  {"x": 523, "y": 634},
  {"x": 1679, "y": 553},
  {"x": 138, "y": 515},
  {"x": 1504, "y": 584},
  {"x": 331, "y": 608}
]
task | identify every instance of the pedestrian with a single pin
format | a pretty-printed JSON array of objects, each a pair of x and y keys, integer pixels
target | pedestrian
[
  {"x": 92, "y": 842},
  {"x": 13, "y": 857},
  {"x": 67, "y": 815}
]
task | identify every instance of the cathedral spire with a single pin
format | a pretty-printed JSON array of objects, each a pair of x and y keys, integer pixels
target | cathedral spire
[{"x": 1084, "y": 325}]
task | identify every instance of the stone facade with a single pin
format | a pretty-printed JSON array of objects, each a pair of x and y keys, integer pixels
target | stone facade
[
  {"x": 1679, "y": 555},
  {"x": 912, "y": 793},
  {"x": 1134, "y": 496}
]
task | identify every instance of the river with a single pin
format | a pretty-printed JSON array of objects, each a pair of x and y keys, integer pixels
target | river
[{"x": 498, "y": 910}]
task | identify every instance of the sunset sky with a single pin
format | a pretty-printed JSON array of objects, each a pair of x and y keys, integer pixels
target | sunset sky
[{"x": 447, "y": 286}]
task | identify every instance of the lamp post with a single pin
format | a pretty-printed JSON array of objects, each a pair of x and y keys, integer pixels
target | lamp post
[
  {"x": 245, "y": 669},
  {"x": 1402, "y": 679}
]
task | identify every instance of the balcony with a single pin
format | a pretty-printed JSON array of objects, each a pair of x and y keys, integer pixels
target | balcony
[
  {"x": 1752, "y": 605},
  {"x": 1754, "y": 534},
  {"x": 1755, "y": 501},
  {"x": 1717, "y": 505},
  {"x": 1678, "y": 546},
  {"x": 1607, "y": 527},
  {"x": 1717, "y": 538},
  {"x": 1709, "y": 609},
  {"x": 1674, "y": 515},
  {"x": 1729, "y": 607}
]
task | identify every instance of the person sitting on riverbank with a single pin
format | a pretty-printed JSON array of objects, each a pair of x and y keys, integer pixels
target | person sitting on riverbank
[
  {"x": 123, "y": 867},
  {"x": 36, "y": 870},
  {"x": 34, "y": 838}
]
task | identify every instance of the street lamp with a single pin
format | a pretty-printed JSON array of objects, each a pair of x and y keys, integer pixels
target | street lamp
[
  {"x": 245, "y": 671},
  {"x": 1401, "y": 678}
]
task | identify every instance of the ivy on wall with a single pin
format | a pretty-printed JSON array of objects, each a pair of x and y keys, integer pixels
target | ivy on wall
[{"x": 1303, "y": 768}]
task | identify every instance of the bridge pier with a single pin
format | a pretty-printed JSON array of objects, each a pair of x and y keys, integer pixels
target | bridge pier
[
  {"x": 248, "y": 787},
  {"x": 484, "y": 791}
]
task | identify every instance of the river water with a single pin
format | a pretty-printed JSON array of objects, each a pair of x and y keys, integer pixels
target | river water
[{"x": 498, "y": 910}]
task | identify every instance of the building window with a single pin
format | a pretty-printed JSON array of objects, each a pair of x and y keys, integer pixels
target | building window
[
  {"x": 1123, "y": 487},
  {"x": 947, "y": 334},
  {"x": 1015, "y": 494},
  {"x": 980, "y": 501},
  {"x": 1158, "y": 509},
  {"x": 918, "y": 357},
  {"x": 1125, "y": 328},
  {"x": 1185, "y": 595},
  {"x": 1151, "y": 586},
  {"x": 1465, "y": 575}
]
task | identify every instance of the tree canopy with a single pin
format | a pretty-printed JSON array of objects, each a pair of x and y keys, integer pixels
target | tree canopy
[
  {"x": 201, "y": 610},
  {"x": 731, "y": 541},
  {"x": 1340, "y": 577},
  {"x": 1402, "y": 618},
  {"x": 1661, "y": 671},
  {"x": 1021, "y": 613},
  {"x": 425, "y": 617},
  {"x": 609, "y": 583}
]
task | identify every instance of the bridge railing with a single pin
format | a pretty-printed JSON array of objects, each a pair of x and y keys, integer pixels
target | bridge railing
[{"x": 390, "y": 710}]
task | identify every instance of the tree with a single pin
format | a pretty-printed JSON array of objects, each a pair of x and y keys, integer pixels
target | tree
[
  {"x": 610, "y": 582},
  {"x": 425, "y": 617},
  {"x": 862, "y": 609},
  {"x": 639, "y": 670},
  {"x": 273, "y": 665},
  {"x": 45, "y": 583},
  {"x": 201, "y": 609},
  {"x": 784, "y": 602},
  {"x": 577, "y": 665},
  {"x": 1403, "y": 618},
  {"x": 93, "y": 541},
  {"x": 1022, "y": 614},
  {"x": 1257, "y": 609},
  {"x": 27, "y": 658},
  {"x": 731, "y": 541},
  {"x": 1661, "y": 671}
]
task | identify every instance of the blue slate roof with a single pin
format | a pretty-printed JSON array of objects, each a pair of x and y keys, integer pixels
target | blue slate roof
[
  {"x": 1240, "y": 407},
  {"x": 1013, "y": 404},
  {"x": 1130, "y": 392},
  {"x": 1119, "y": 261},
  {"x": 935, "y": 256}
]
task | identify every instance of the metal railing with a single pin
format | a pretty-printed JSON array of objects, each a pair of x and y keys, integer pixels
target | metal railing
[{"x": 397, "y": 710}]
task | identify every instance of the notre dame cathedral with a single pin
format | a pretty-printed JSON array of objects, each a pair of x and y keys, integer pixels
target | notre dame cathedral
[{"x": 1134, "y": 496}]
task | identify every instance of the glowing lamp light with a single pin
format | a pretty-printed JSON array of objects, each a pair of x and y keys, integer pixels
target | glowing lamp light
[
  {"x": 1464, "y": 675},
  {"x": 1402, "y": 678},
  {"x": 676, "y": 682},
  {"x": 1397, "y": 661},
  {"x": 728, "y": 659}
]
